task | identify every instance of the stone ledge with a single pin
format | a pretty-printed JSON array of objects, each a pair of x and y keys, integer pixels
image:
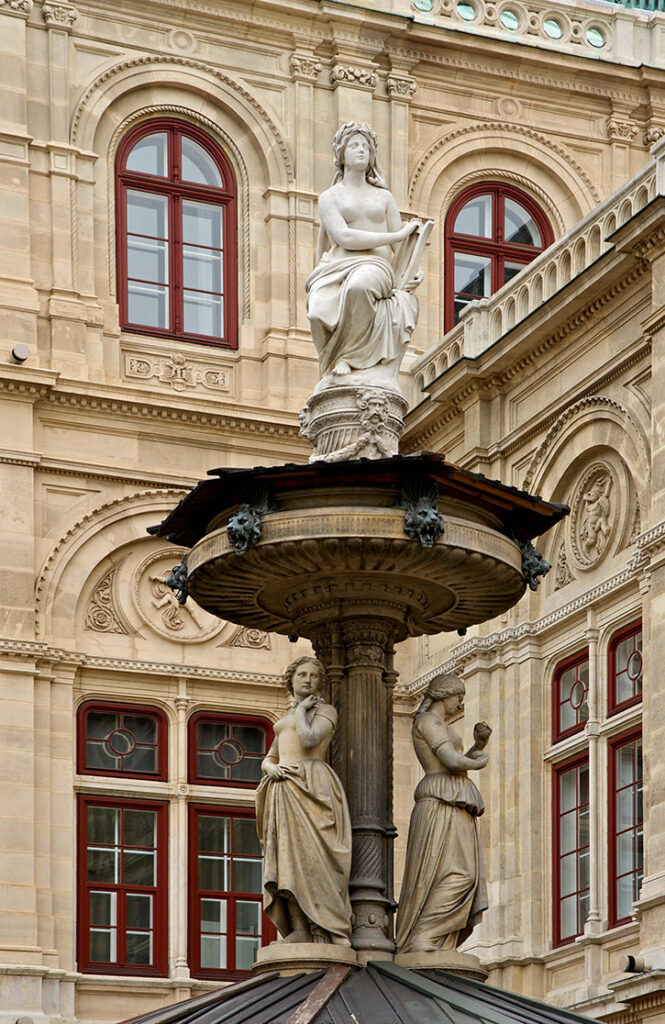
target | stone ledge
[
  {"x": 444, "y": 960},
  {"x": 303, "y": 957}
]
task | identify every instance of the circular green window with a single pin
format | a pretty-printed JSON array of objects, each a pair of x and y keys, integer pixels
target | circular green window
[
  {"x": 466, "y": 11},
  {"x": 510, "y": 20},
  {"x": 595, "y": 37},
  {"x": 423, "y": 5},
  {"x": 552, "y": 28}
]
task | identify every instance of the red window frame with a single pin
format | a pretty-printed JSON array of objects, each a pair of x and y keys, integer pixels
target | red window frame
[
  {"x": 159, "y": 893},
  {"x": 573, "y": 662},
  {"x": 175, "y": 190},
  {"x": 636, "y": 828},
  {"x": 193, "y": 749},
  {"x": 197, "y": 894},
  {"x": 122, "y": 709},
  {"x": 633, "y": 630},
  {"x": 571, "y": 764},
  {"x": 495, "y": 247}
]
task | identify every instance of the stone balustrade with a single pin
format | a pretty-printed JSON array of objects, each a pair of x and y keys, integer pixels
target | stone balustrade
[{"x": 484, "y": 321}]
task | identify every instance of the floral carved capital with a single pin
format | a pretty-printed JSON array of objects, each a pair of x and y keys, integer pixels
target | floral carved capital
[
  {"x": 60, "y": 15},
  {"x": 400, "y": 88},
  {"x": 621, "y": 131},
  {"x": 304, "y": 66},
  {"x": 353, "y": 75}
]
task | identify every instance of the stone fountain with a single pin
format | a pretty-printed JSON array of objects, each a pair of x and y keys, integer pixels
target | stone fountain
[{"x": 362, "y": 547}]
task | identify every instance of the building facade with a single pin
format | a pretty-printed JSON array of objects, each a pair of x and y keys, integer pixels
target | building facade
[{"x": 159, "y": 168}]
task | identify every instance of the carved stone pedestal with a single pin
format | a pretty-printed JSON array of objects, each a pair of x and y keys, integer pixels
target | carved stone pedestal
[
  {"x": 353, "y": 422},
  {"x": 302, "y": 957},
  {"x": 444, "y": 960}
]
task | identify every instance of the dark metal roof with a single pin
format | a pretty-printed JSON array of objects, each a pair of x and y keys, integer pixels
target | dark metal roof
[
  {"x": 381, "y": 993},
  {"x": 523, "y": 515}
]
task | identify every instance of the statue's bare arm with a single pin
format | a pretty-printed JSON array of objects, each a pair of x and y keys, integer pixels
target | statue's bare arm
[
  {"x": 441, "y": 745},
  {"x": 355, "y": 239},
  {"x": 317, "y": 727}
]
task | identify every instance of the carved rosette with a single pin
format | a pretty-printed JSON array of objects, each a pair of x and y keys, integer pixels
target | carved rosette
[{"x": 593, "y": 515}]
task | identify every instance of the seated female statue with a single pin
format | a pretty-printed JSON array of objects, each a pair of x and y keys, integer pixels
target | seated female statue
[
  {"x": 443, "y": 892},
  {"x": 303, "y": 821},
  {"x": 360, "y": 316}
]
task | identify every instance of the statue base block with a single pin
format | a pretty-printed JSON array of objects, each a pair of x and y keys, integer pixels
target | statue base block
[
  {"x": 353, "y": 422},
  {"x": 303, "y": 957},
  {"x": 444, "y": 960}
]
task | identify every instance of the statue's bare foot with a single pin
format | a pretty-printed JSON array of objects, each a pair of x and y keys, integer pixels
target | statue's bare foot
[{"x": 340, "y": 368}]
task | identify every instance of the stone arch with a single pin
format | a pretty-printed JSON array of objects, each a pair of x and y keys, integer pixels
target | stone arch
[
  {"x": 93, "y": 539},
  {"x": 542, "y": 167},
  {"x": 613, "y": 426},
  {"x": 218, "y": 88}
]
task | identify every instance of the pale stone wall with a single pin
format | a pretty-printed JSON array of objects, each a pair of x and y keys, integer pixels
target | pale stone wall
[{"x": 99, "y": 443}]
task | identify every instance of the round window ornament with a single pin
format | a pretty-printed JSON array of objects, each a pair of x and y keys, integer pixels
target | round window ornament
[
  {"x": 230, "y": 752},
  {"x": 121, "y": 742},
  {"x": 595, "y": 37},
  {"x": 552, "y": 28},
  {"x": 510, "y": 20},
  {"x": 423, "y": 5},
  {"x": 634, "y": 667},
  {"x": 467, "y": 12}
]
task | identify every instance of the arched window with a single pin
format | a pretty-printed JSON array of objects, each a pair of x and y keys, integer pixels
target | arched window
[
  {"x": 176, "y": 235},
  {"x": 492, "y": 231}
]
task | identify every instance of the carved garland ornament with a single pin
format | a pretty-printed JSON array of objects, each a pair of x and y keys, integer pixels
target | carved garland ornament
[
  {"x": 354, "y": 75},
  {"x": 100, "y": 615}
]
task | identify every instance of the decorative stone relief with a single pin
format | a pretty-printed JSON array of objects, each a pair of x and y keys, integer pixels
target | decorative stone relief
[
  {"x": 303, "y": 66},
  {"x": 353, "y": 75},
  {"x": 248, "y": 637},
  {"x": 353, "y": 423},
  {"x": 533, "y": 564},
  {"x": 59, "y": 15},
  {"x": 160, "y": 607},
  {"x": 652, "y": 135},
  {"x": 621, "y": 131},
  {"x": 563, "y": 575},
  {"x": 177, "y": 372},
  {"x": 591, "y": 515},
  {"x": 398, "y": 87},
  {"x": 636, "y": 525},
  {"x": 21, "y": 7},
  {"x": 182, "y": 40},
  {"x": 245, "y": 528},
  {"x": 101, "y": 615}
]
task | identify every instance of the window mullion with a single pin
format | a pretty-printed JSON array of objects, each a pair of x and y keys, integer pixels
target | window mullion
[
  {"x": 176, "y": 265},
  {"x": 597, "y": 796}
]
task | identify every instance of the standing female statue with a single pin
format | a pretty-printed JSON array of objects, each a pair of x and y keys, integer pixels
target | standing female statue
[
  {"x": 359, "y": 303},
  {"x": 303, "y": 821},
  {"x": 444, "y": 892}
]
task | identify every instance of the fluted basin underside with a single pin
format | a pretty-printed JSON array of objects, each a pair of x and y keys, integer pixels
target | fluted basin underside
[{"x": 311, "y": 562}]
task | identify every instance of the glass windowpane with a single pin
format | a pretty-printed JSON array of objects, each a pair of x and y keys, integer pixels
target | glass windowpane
[
  {"x": 103, "y": 866},
  {"x": 568, "y": 878},
  {"x": 198, "y": 166},
  {"x": 213, "y": 951},
  {"x": 204, "y": 314},
  {"x": 475, "y": 218},
  {"x": 568, "y": 835},
  {"x": 247, "y": 876},
  {"x": 245, "y": 839},
  {"x": 142, "y": 759},
  {"x": 246, "y": 950},
  {"x": 100, "y": 724},
  {"x": 147, "y": 259},
  {"x": 214, "y": 873},
  {"x": 103, "y": 908},
  {"x": 472, "y": 274},
  {"x": 252, "y": 739},
  {"x": 568, "y": 917},
  {"x": 519, "y": 225},
  {"x": 625, "y": 764},
  {"x": 148, "y": 305},
  {"x": 210, "y": 734},
  {"x": 138, "y": 868},
  {"x": 625, "y": 896},
  {"x": 214, "y": 833},
  {"x": 139, "y": 910},
  {"x": 213, "y": 915},
  {"x": 202, "y": 269},
  {"x": 103, "y": 825},
  {"x": 139, "y": 947},
  {"x": 97, "y": 755},
  {"x": 147, "y": 214},
  {"x": 624, "y": 848},
  {"x": 568, "y": 790},
  {"x": 201, "y": 224},
  {"x": 249, "y": 769},
  {"x": 511, "y": 269},
  {"x": 140, "y": 828},
  {"x": 143, "y": 727},
  {"x": 103, "y": 946},
  {"x": 149, "y": 155},
  {"x": 248, "y": 918}
]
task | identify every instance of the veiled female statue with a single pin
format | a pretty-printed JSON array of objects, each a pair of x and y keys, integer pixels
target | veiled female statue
[
  {"x": 444, "y": 891},
  {"x": 360, "y": 300},
  {"x": 302, "y": 819}
]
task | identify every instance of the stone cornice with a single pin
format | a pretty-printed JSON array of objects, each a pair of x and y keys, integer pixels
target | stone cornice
[{"x": 34, "y": 650}]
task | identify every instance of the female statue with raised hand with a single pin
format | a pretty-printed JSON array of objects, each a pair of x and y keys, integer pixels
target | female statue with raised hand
[
  {"x": 302, "y": 819},
  {"x": 360, "y": 300},
  {"x": 444, "y": 891}
]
